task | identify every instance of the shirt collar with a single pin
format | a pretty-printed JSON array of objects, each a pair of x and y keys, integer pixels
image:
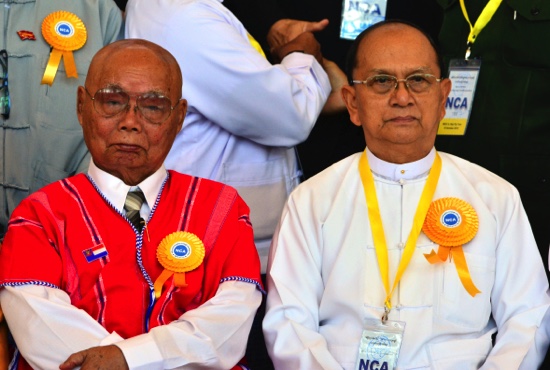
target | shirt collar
[
  {"x": 115, "y": 190},
  {"x": 404, "y": 171}
]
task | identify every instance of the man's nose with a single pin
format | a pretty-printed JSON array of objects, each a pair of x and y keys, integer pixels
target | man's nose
[
  {"x": 401, "y": 95},
  {"x": 131, "y": 119}
]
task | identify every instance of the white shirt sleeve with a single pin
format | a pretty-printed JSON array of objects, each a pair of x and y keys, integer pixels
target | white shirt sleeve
[
  {"x": 291, "y": 322},
  {"x": 519, "y": 306},
  {"x": 48, "y": 329},
  {"x": 212, "y": 336},
  {"x": 226, "y": 79}
]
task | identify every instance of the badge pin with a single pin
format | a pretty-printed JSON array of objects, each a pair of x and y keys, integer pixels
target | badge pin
[
  {"x": 26, "y": 35},
  {"x": 95, "y": 253}
]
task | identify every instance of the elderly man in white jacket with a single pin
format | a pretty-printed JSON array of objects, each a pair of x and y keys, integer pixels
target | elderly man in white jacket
[{"x": 402, "y": 257}]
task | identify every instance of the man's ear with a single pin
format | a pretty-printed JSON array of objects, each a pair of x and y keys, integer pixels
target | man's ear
[
  {"x": 80, "y": 96},
  {"x": 446, "y": 85},
  {"x": 181, "y": 111},
  {"x": 350, "y": 99}
]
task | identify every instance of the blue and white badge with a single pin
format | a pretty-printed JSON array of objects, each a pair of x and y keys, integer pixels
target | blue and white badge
[
  {"x": 451, "y": 219},
  {"x": 380, "y": 345},
  {"x": 64, "y": 29},
  {"x": 358, "y": 15},
  {"x": 463, "y": 74},
  {"x": 181, "y": 250}
]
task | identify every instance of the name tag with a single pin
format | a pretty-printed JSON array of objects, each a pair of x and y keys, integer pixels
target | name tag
[
  {"x": 358, "y": 15},
  {"x": 380, "y": 345},
  {"x": 463, "y": 74}
]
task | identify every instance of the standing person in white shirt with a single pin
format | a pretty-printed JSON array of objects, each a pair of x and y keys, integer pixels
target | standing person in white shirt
[
  {"x": 245, "y": 115},
  {"x": 402, "y": 256}
]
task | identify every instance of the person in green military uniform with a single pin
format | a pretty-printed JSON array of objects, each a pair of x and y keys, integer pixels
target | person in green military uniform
[{"x": 509, "y": 127}]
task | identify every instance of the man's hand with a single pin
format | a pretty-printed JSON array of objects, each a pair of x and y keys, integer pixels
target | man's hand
[
  {"x": 96, "y": 358},
  {"x": 285, "y": 30},
  {"x": 305, "y": 43},
  {"x": 335, "y": 102}
]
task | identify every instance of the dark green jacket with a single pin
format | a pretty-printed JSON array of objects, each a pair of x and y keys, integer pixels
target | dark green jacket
[{"x": 509, "y": 128}]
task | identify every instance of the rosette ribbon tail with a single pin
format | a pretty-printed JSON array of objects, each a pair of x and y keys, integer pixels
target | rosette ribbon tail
[
  {"x": 463, "y": 272},
  {"x": 456, "y": 253},
  {"x": 70, "y": 65},
  {"x": 165, "y": 275},
  {"x": 441, "y": 256},
  {"x": 51, "y": 68},
  {"x": 179, "y": 280}
]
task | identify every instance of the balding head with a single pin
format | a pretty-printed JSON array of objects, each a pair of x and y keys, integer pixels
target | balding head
[
  {"x": 130, "y": 49},
  {"x": 387, "y": 26}
]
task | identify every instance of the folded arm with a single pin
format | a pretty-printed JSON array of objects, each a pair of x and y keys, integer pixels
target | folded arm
[{"x": 214, "y": 334}]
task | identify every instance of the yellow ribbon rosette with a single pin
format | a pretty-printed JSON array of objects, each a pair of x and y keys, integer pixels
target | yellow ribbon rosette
[
  {"x": 451, "y": 223},
  {"x": 64, "y": 32},
  {"x": 178, "y": 253}
]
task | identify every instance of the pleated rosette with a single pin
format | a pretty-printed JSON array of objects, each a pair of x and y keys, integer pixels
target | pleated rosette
[
  {"x": 451, "y": 223},
  {"x": 178, "y": 253},
  {"x": 64, "y": 32}
]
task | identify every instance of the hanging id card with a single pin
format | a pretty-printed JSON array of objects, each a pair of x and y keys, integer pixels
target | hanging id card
[
  {"x": 463, "y": 74},
  {"x": 380, "y": 345},
  {"x": 358, "y": 15}
]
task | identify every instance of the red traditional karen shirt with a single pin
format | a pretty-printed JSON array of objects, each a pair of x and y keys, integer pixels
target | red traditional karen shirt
[{"x": 68, "y": 236}]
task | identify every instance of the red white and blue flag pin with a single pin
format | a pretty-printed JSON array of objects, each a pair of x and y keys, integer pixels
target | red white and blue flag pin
[{"x": 95, "y": 253}]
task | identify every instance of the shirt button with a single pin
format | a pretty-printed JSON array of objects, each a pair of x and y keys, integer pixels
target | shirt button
[{"x": 535, "y": 11}]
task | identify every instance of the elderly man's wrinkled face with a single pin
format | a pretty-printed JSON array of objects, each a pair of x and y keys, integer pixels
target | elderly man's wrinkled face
[
  {"x": 130, "y": 141},
  {"x": 400, "y": 124}
]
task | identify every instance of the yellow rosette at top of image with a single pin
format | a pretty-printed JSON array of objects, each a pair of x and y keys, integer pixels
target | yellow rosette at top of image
[
  {"x": 178, "y": 253},
  {"x": 65, "y": 33},
  {"x": 451, "y": 223}
]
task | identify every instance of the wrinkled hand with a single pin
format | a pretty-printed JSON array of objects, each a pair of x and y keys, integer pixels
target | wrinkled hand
[
  {"x": 97, "y": 358},
  {"x": 285, "y": 30},
  {"x": 304, "y": 42},
  {"x": 335, "y": 102},
  {"x": 4, "y": 355}
]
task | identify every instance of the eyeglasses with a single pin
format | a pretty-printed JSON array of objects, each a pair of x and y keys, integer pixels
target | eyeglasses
[
  {"x": 5, "y": 101},
  {"x": 383, "y": 84},
  {"x": 110, "y": 101}
]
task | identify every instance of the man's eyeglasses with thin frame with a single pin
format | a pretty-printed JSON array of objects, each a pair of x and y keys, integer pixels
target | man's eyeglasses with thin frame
[
  {"x": 110, "y": 101},
  {"x": 416, "y": 83},
  {"x": 5, "y": 100}
]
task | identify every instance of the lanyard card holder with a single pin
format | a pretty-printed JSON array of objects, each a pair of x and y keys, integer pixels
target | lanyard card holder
[
  {"x": 358, "y": 15},
  {"x": 463, "y": 74},
  {"x": 380, "y": 345}
]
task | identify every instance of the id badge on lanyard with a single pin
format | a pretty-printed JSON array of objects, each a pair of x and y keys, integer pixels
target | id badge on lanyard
[
  {"x": 463, "y": 74},
  {"x": 380, "y": 345},
  {"x": 358, "y": 15}
]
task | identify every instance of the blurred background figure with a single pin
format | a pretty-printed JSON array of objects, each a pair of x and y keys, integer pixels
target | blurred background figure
[
  {"x": 41, "y": 140},
  {"x": 509, "y": 127},
  {"x": 245, "y": 114}
]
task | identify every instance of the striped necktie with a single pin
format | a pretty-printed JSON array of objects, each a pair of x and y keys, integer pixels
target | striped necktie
[{"x": 132, "y": 206}]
